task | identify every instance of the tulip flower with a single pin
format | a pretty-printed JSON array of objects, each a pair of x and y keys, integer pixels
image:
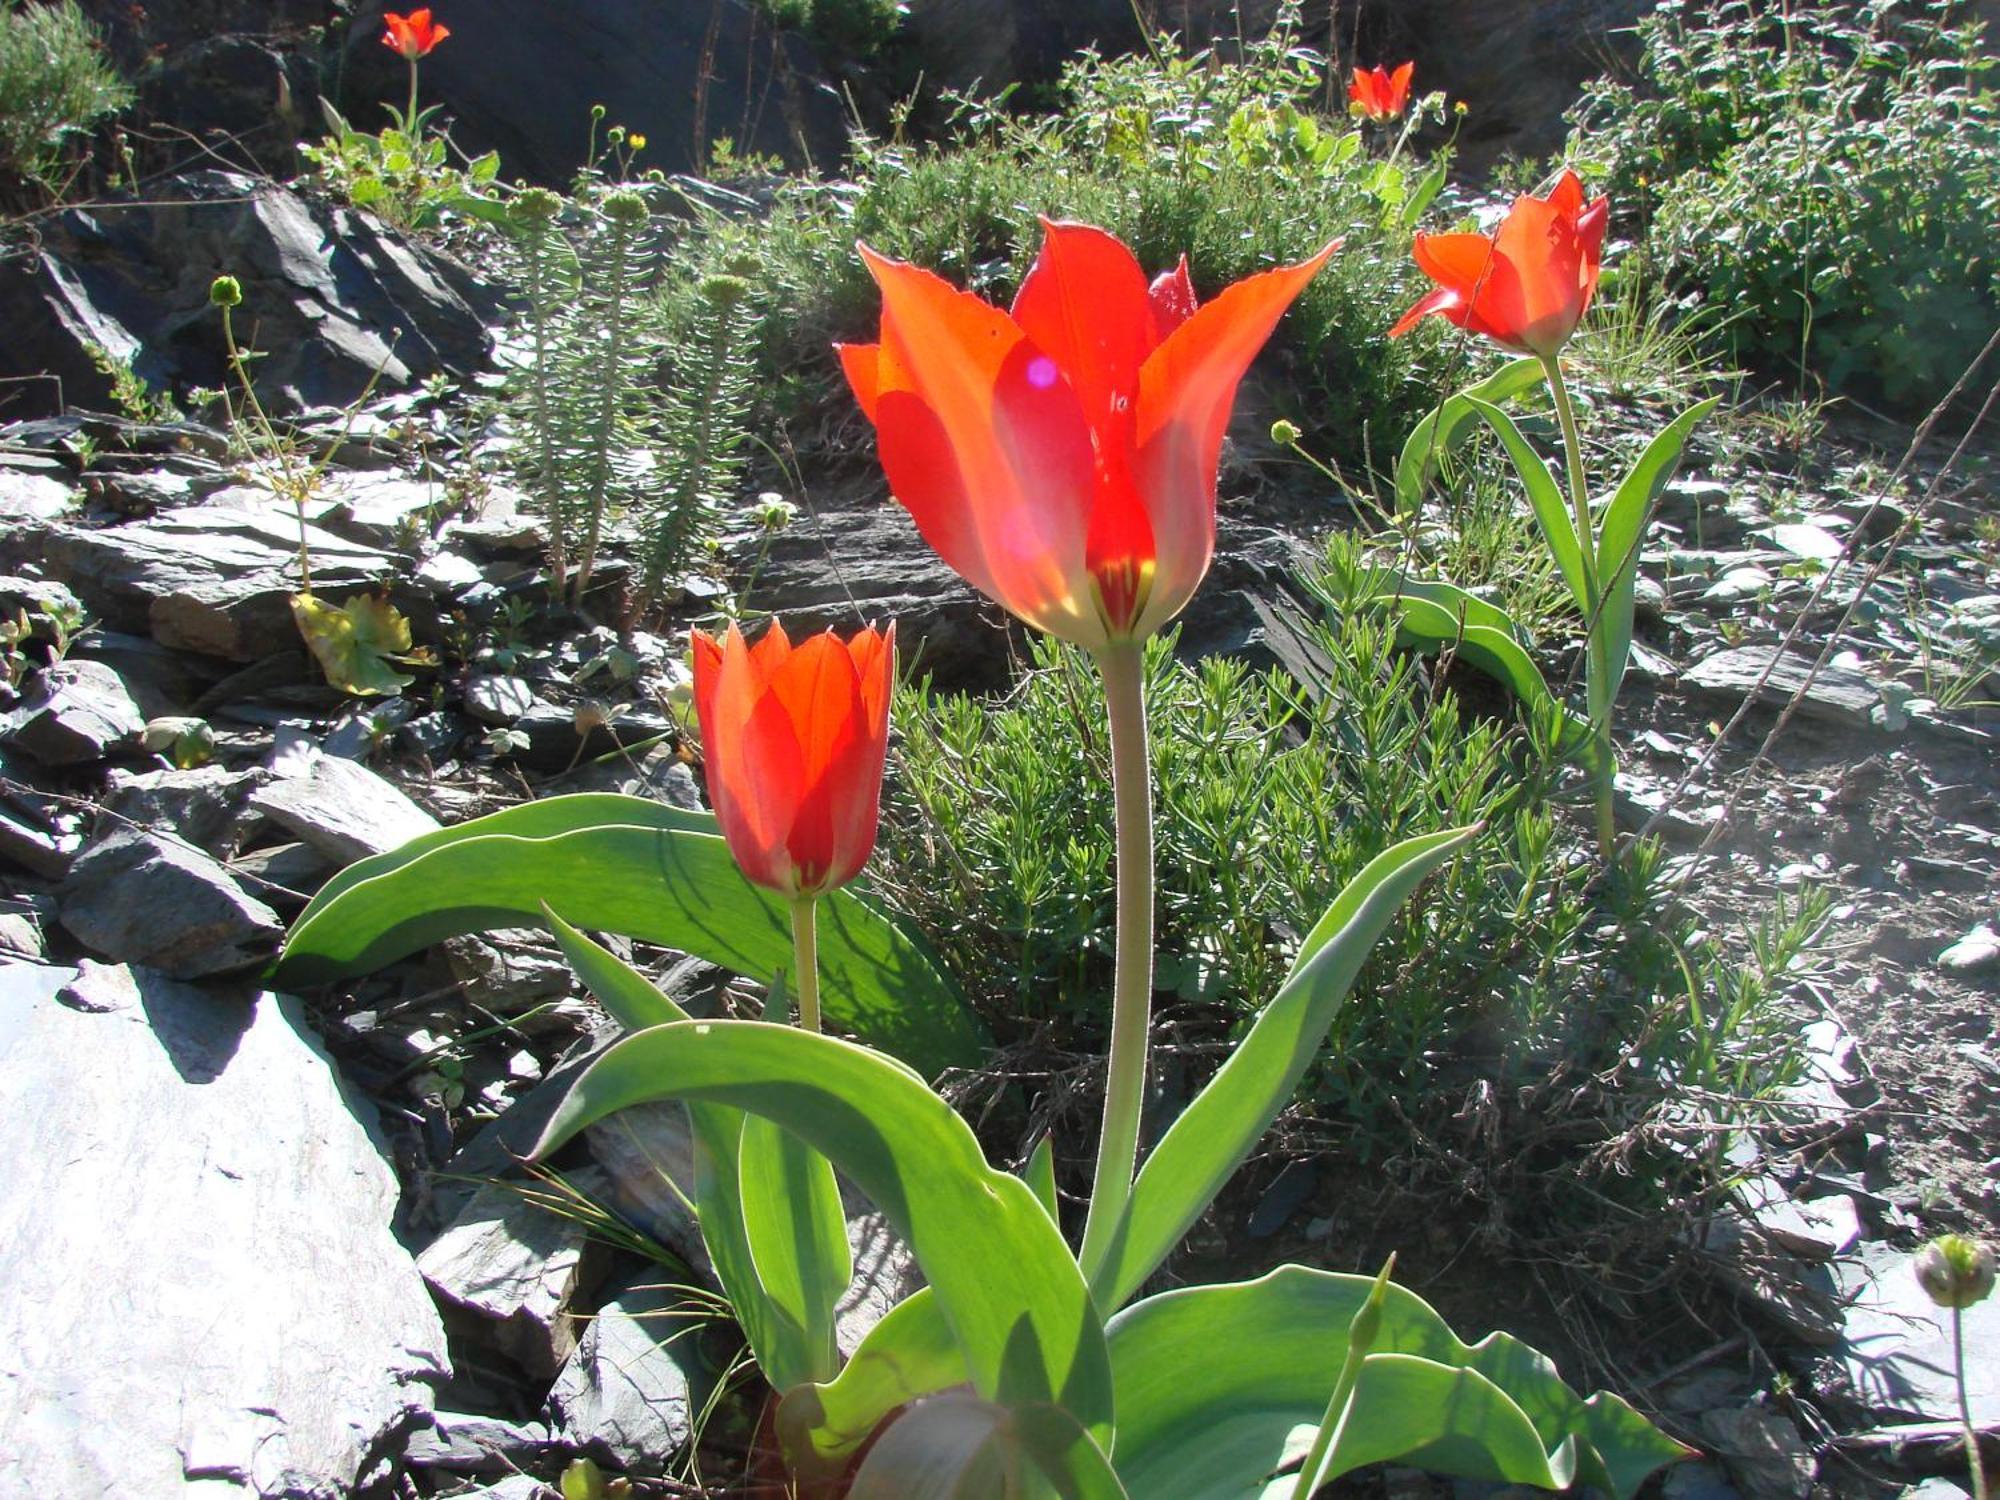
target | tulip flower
[
  {"x": 1379, "y": 95},
  {"x": 1525, "y": 287},
  {"x": 1061, "y": 455},
  {"x": 793, "y": 738},
  {"x": 413, "y": 35}
]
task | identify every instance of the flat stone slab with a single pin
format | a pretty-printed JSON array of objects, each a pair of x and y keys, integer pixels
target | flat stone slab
[
  {"x": 1896, "y": 1350},
  {"x": 78, "y": 712},
  {"x": 137, "y": 897},
  {"x": 341, "y": 808},
  {"x": 203, "y": 1296},
  {"x": 1837, "y": 696}
]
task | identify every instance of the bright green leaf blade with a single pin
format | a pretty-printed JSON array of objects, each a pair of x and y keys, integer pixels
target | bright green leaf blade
[
  {"x": 530, "y": 820},
  {"x": 1618, "y": 552},
  {"x": 1545, "y": 497},
  {"x": 1006, "y": 1282},
  {"x": 1431, "y": 627},
  {"x": 1219, "y": 1386},
  {"x": 1210, "y": 1140},
  {"x": 1040, "y": 1174},
  {"x": 1449, "y": 1420},
  {"x": 911, "y": 1353},
  {"x": 1440, "y": 433},
  {"x": 1431, "y": 184},
  {"x": 781, "y": 1345},
  {"x": 956, "y": 1447},
  {"x": 796, "y": 1231},
  {"x": 660, "y": 885},
  {"x": 1390, "y": 587}
]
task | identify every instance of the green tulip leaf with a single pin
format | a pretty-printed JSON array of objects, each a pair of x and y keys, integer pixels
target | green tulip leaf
[
  {"x": 1440, "y": 433},
  {"x": 1618, "y": 552},
  {"x": 1203, "y": 1148},
  {"x": 1552, "y": 512},
  {"x": 959, "y": 1446},
  {"x": 784, "y": 1350},
  {"x": 1040, "y": 1174},
  {"x": 910, "y": 1354},
  {"x": 796, "y": 1231},
  {"x": 603, "y": 865},
  {"x": 1001, "y": 1274},
  {"x": 1220, "y": 1387}
]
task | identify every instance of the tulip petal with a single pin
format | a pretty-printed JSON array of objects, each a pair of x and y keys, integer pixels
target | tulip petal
[
  {"x": 986, "y": 445},
  {"x": 1186, "y": 390},
  {"x": 1173, "y": 299},
  {"x": 1446, "y": 300},
  {"x": 1084, "y": 303},
  {"x": 821, "y": 700},
  {"x": 858, "y": 363},
  {"x": 751, "y": 755},
  {"x": 1453, "y": 260}
]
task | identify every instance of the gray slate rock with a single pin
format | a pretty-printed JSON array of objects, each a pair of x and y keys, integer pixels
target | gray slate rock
[
  {"x": 207, "y": 806},
  {"x": 1837, "y": 696},
  {"x": 1762, "y": 1451},
  {"x": 203, "y": 1293},
  {"x": 340, "y": 808},
  {"x": 78, "y": 713},
  {"x": 32, "y": 497},
  {"x": 628, "y": 1395},
  {"x": 1976, "y": 952},
  {"x": 463, "y": 1443},
  {"x": 136, "y": 897},
  {"x": 333, "y": 297}
]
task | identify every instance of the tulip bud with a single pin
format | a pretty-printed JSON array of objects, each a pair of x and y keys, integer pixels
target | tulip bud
[
  {"x": 1955, "y": 1271},
  {"x": 225, "y": 291},
  {"x": 535, "y": 205},
  {"x": 625, "y": 208},
  {"x": 1284, "y": 433}
]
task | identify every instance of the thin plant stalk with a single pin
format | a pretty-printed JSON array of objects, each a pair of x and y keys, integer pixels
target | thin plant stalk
[
  {"x": 410, "y": 119},
  {"x": 1123, "y": 667},
  {"x": 1361, "y": 1335},
  {"x": 805, "y": 958},
  {"x": 1974, "y": 1460},
  {"x": 1594, "y": 663}
]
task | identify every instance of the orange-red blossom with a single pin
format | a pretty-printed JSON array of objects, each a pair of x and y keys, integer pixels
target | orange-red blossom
[
  {"x": 1527, "y": 285},
  {"x": 1379, "y": 94},
  {"x": 1061, "y": 455},
  {"x": 412, "y": 35},
  {"x": 793, "y": 738}
]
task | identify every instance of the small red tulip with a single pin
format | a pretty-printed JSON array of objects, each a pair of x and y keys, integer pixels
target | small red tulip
[
  {"x": 1061, "y": 456},
  {"x": 413, "y": 35},
  {"x": 1525, "y": 287},
  {"x": 1379, "y": 94},
  {"x": 793, "y": 739}
]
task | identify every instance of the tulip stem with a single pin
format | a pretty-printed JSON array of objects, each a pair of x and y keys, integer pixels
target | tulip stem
[
  {"x": 1594, "y": 666},
  {"x": 1123, "y": 666},
  {"x": 805, "y": 958},
  {"x": 410, "y": 119}
]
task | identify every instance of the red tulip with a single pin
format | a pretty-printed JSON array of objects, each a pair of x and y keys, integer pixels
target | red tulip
[
  {"x": 793, "y": 739},
  {"x": 1379, "y": 94},
  {"x": 1527, "y": 286},
  {"x": 412, "y": 35},
  {"x": 1061, "y": 456}
]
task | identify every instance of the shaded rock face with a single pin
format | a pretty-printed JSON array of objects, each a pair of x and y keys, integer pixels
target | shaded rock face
[
  {"x": 329, "y": 297},
  {"x": 644, "y": 61},
  {"x": 273, "y": 1338}
]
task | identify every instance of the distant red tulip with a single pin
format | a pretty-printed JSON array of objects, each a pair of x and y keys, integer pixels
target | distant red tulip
[
  {"x": 413, "y": 35},
  {"x": 1379, "y": 94},
  {"x": 1525, "y": 287},
  {"x": 1062, "y": 457},
  {"x": 793, "y": 739}
]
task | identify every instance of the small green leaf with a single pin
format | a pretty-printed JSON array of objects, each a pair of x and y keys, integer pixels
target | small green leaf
[
  {"x": 1551, "y": 510},
  {"x": 1618, "y": 552},
  {"x": 1440, "y": 433},
  {"x": 1001, "y": 1273},
  {"x": 1040, "y": 1174},
  {"x": 1210, "y": 1140},
  {"x": 355, "y": 641}
]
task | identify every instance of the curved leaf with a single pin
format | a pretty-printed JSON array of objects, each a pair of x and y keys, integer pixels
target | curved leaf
[
  {"x": 1440, "y": 433},
  {"x": 784, "y": 1351},
  {"x": 1618, "y": 553},
  {"x": 1210, "y": 1140},
  {"x": 662, "y": 884},
  {"x": 1387, "y": 586},
  {"x": 911, "y": 1353},
  {"x": 1426, "y": 624},
  {"x": 1545, "y": 496},
  {"x": 1000, "y": 1272},
  {"x": 1218, "y": 1387},
  {"x": 797, "y": 1234}
]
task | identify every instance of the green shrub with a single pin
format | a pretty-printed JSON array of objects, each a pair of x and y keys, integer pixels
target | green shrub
[
  {"x": 54, "y": 85},
  {"x": 1519, "y": 963},
  {"x": 1825, "y": 180},
  {"x": 1229, "y": 162}
]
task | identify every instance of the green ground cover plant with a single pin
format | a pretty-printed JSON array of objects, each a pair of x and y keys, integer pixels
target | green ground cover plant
[
  {"x": 55, "y": 86},
  {"x": 1822, "y": 180}
]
